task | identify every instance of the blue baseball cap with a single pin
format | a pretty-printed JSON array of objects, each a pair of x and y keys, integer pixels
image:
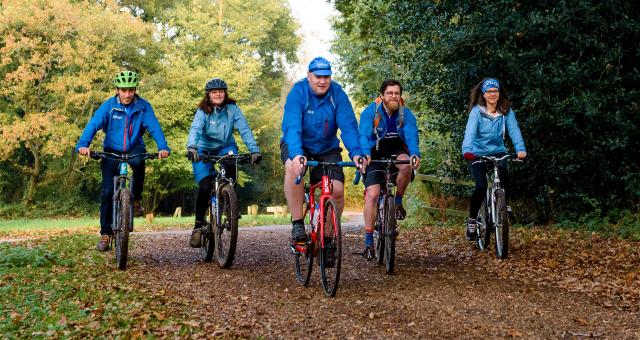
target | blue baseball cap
[{"x": 320, "y": 67}]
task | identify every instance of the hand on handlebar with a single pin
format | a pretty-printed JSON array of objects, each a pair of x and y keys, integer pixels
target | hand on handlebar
[
  {"x": 84, "y": 151},
  {"x": 301, "y": 162},
  {"x": 415, "y": 162},
  {"x": 163, "y": 154},
  {"x": 256, "y": 157},
  {"x": 193, "y": 155},
  {"x": 361, "y": 163}
]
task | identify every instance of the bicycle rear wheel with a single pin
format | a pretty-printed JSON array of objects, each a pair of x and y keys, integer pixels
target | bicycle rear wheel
[
  {"x": 304, "y": 260},
  {"x": 501, "y": 225},
  {"x": 390, "y": 233},
  {"x": 123, "y": 223},
  {"x": 378, "y": 236},
  {"x": 331, "y": 253},
  {"x": 226, "y": 234},
  {"x": 207, "y": 242},
  {"x": 483, "y": 227}
]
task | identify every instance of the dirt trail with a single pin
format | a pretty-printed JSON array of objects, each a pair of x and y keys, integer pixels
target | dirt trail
[{"x": 433, "y": 294}]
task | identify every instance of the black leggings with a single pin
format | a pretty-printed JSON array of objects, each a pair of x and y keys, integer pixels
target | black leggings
[
  {"x": 479, "y": 174},
  {"x": 204, "y": 191}
]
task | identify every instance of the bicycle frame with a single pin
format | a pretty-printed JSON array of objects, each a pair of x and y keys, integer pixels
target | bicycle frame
[
  {"x": 387, "y": 189},
  {"x": 120, "y": 181},
  {"x": 221, "y": 177},
  {"x": 326, "y": 188},
  {"x": 494, "y": 180}
]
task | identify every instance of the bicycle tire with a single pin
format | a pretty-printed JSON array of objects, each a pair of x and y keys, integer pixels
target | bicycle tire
[
  {"x": 378, "y": 236},
  {"x": 207, "y": 242},
  {"x": 390, "y": 234},
  {"x": 501, "y": 225},
  {"x": 123, "y": 220},
  {"x": 304, "y": 261},
  {"x": 331, "y": 253},
  {"x": 483, "y": 227},
  {"x": 226, "y": 234}
]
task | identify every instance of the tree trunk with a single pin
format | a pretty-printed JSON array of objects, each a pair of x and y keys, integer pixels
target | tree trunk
[{"x": 34, "y": 172}]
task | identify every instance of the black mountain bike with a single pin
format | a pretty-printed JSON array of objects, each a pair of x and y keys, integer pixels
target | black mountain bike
[
  {"x": 493, "y": 216},
  {"x": 122, "y": 218},
  {"x": 386, "y": 231},
  {"x": 220, "y": 228}
]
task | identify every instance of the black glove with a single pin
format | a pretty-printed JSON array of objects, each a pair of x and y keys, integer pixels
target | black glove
[
  {"x": 193, "y": 154},
  {"x": 256, "y": 157}
]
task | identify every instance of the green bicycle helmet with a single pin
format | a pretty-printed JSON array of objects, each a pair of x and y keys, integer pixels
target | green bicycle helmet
[{"x": 127, "y": 79}]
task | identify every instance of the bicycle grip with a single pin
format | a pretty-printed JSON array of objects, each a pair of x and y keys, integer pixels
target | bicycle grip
[{"x": 299, "y": 177}]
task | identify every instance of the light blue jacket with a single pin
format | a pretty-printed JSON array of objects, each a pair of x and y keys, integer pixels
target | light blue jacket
[
  {"x": 408, "y": 130},
  {"x": 310, "y": 123},
  {"x": 123, "y": 126},
  {"x": 211, "y": 132},
  {"x": 485, "y": 135}
]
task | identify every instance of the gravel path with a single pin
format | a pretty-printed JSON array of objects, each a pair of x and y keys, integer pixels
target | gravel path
[{"x": 433, "y": 294}]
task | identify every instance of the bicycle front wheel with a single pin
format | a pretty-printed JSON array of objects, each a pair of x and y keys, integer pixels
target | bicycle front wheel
[
  {"x": 502, "y": 225},
  {"x": 483, "y": 227},
  {"x": 390, "y": 234},
  {"x": 331, "y": 253},
  {"x": 121, "y": 234},
  {"x": 226, "y": 233}
]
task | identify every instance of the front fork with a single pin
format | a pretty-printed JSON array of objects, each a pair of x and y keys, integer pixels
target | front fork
[
  {"x": 494, "y": 186},
  {"x": 119, "y": 183}
]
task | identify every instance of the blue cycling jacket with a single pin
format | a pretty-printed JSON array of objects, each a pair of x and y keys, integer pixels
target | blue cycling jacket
[
  {"x": 484, "y": 135},
  {"x": 214, "y": 131},
  {"x": 123, "y": 126},
  {"x": 310, "y": 123},
  {"x": 408, "y": 131}
]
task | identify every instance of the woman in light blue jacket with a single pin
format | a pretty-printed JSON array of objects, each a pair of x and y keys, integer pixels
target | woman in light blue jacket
[
  {"x": 491, "y": 119},
  {"x": 211, "y": 133}
]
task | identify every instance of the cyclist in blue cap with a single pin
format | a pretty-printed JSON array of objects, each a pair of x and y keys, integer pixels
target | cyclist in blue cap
[
  {"x": 124, "y": 118},
  {"x": 490, "y": 120},
  {"x": 315, "y": 109}
]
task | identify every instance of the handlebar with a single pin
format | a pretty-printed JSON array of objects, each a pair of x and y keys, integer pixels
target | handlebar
[
  {"x": 240, "y": 158},
  {"x": 122, "y": 157},
  {"x": 320, "y": 163},
  {"x": 511, "y": 156}
]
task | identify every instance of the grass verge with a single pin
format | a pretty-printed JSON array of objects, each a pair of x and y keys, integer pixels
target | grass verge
[
  {"x": 51, "y": 227},
  {"x": 64, "y": 288}
]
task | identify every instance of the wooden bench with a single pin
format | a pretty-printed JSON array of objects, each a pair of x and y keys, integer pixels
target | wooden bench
[{"x": 279, "y": 210}]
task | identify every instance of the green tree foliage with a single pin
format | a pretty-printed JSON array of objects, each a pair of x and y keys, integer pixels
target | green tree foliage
[
  {"x": 570, "y": 69},
  {"x": 247, "y": 45},
  {"x": 57, "y": 62},
  {"x": 58, "y": 59}
]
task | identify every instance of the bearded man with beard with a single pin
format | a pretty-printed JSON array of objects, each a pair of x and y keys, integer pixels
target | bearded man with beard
[{"x": 387, "y": 129}]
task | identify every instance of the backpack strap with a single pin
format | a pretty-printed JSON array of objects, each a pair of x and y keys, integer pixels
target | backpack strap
[{"x": 376, "y": 121}]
